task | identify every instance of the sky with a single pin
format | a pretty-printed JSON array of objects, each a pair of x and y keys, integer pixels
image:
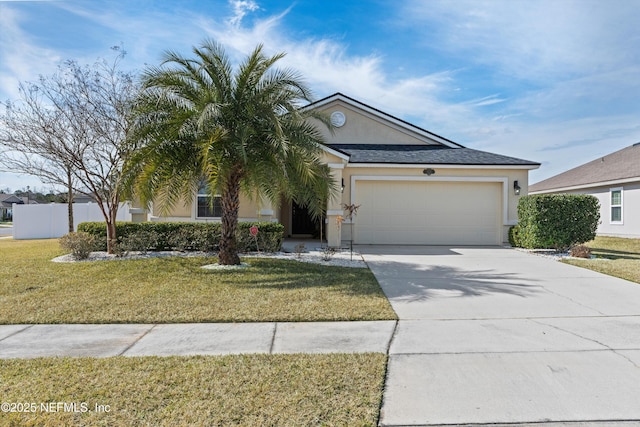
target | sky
[{"x": 552, "y": 81}]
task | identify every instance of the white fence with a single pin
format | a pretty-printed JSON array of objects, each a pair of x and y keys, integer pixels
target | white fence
[{"x": 52, "y": 220}]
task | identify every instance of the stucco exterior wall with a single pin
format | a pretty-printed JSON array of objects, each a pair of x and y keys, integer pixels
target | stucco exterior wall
[
  {"x": 364, "y": 128},
  {"x": 250, "y": 210}
]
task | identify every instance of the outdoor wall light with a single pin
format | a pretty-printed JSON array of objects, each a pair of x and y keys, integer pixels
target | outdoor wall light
[
  {"x": 516, "y": 188},
  {"x": 428, "y": 171},
  {"x": 342, "y": 185}
]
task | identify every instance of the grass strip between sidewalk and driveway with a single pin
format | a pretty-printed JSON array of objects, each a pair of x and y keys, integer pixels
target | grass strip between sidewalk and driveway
[
  {"x": 177, "y": 290},
  {"x": 615, "y": 256},
  {"x": 256, "y": 390}
]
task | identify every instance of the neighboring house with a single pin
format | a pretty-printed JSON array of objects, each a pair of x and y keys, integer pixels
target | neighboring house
[
  {"x": 6, "y": 206},
  {"x": 615, "y": 180},
  {"x": 413, "y": 187},
  {"x": 83, "y": 198}
]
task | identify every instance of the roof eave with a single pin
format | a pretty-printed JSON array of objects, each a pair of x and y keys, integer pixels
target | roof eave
[
  {"x": 585, "y": 186},
  {"x": 444, "y": 165}
]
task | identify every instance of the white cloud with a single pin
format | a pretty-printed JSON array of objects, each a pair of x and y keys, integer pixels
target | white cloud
[
  {"x": 328, "y": 68},
  {"x": 534, "y": 40},
  {"x": 240, "y": 9}
]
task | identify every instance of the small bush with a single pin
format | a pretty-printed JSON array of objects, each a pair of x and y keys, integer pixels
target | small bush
[
  {"x": 80, "y": 244},
  {"x": 328, "y": 253},
  {"x": 580, "y": 251}
]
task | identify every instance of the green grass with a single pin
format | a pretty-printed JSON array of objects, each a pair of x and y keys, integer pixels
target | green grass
[
  {"x": 176, "y": 290},
  {"x": 248, "y": 390},
  {"x": 615, "y": 256}
]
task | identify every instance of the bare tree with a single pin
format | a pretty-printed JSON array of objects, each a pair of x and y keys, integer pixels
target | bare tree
[
  {"x": 34, "y": 141},
  {"x": 70, "y": 128}
]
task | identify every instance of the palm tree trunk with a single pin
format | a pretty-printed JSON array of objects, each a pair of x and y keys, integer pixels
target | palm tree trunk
[{"x": 230, "y": 200}]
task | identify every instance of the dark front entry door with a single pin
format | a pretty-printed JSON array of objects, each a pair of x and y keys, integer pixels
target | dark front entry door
[{"x": 301, "y": 222}]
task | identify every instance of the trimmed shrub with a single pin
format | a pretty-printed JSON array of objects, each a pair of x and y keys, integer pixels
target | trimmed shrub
[
  {"x": 80, "y": 244},
  {"x": 188, "y": 236},
  {"x": 556, "y": 221},
  {"x": 269, "y": 239},
  {"x": 514, "y": 238},
  {"x": 141, "y": 241}
]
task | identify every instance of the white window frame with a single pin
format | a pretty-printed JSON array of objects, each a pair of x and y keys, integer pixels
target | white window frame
[
  {"x": 202, "y": 192},
  {"x": 619, "y": 206}
]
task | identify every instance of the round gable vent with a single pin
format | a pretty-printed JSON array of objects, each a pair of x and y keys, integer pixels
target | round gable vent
[{"x": 338, "y": 119}]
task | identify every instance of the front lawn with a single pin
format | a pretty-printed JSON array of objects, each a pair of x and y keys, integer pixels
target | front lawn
[
  {"x": 176, "y": 290},
  {"x": 615, "y": 256},
  {"x": 248, "y": 390}
]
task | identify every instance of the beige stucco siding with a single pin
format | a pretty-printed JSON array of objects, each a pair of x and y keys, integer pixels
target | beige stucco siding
[
  {"x": 181, "y": 209},
  {"x": 251, "y": 209},
  {"x": 362, "y": 127}
]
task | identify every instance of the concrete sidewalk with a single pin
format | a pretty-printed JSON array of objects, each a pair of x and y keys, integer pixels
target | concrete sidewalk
[{"x": 29, "y": 341}]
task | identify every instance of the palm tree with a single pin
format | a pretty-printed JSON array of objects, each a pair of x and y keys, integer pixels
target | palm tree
[{"x": 238, "y": 130}]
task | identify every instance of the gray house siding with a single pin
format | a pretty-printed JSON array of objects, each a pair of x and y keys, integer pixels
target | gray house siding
[{"x": 629, "y": 226}]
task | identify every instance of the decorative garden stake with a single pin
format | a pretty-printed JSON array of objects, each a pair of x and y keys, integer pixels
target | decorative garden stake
[
  {"x": 254, "y": 232},
  {"x": 350, "y": 211},
  {"x": 339, "y": 221}
]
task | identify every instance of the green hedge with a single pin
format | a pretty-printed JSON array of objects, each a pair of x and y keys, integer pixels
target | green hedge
[
  {"x": 555, "y": 221},
  {"x": 185, "y": 236}
]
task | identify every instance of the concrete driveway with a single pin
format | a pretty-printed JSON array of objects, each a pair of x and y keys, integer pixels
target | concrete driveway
[{"x": 492, "y": 335}]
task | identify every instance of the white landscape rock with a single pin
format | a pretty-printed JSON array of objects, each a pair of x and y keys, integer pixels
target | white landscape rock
[{"x": 315, "y": 256}]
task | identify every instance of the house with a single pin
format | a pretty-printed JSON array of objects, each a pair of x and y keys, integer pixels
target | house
[
  {"x": 413, "y": 186},
  {"x": 615, "y": 180},
  {"x": 6, "y": 206}
]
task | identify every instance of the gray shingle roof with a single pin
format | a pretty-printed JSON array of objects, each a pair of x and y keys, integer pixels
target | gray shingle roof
[
  {"x": 7, "y": 200},
  {"x": 425, "y": 154},
  {"x": 622, "y": 164}
]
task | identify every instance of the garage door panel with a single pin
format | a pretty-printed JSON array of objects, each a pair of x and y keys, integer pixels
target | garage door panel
[{"x": 406, "y": 212}]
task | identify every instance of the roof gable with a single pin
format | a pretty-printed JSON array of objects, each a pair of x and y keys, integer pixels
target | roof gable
[
  {"x": 620, "y": 165},
  {"x": 370, "y": 136},
  {"x": 10, "y": 198},
  {"x": 365, "y": 124}
]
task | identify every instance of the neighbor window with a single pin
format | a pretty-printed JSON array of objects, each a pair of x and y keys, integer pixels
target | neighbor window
[
  {"x": 207, "y": 208},
  {"x": 616, "y": 205}
]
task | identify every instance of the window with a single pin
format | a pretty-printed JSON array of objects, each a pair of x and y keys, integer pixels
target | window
[
  {"x": 616, "y": 205},
  {"x": 206, "y": 209}
]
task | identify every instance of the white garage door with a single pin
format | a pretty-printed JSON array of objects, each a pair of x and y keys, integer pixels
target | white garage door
[{"x": 428, "y": 213}]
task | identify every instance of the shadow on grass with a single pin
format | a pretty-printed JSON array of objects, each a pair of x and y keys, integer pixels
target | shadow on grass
[
  {"x": 288, "y": 275},
  {"x": 614, "y": 254}
]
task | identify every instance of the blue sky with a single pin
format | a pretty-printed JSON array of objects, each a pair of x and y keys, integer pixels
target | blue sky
[{"x": 554, "y": 81}]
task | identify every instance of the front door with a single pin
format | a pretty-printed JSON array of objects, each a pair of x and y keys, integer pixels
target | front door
[{"x": 301, "y": 222}]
